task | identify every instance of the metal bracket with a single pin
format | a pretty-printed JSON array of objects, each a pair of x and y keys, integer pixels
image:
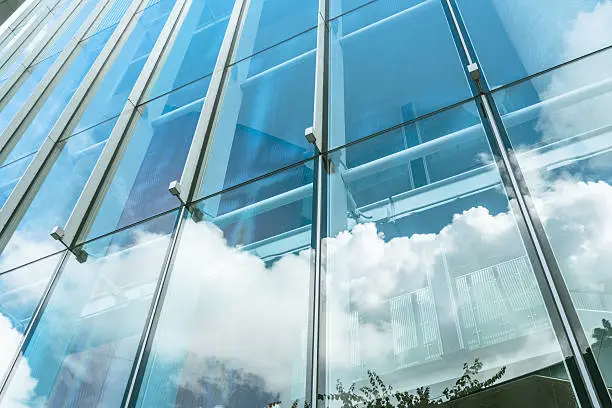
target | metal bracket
[
  {"x": 175, "y": 189},
  {"x": 474, "y": 71},
  {"x": 310, "y": 136},
  {"x": 57, "y": 233}
]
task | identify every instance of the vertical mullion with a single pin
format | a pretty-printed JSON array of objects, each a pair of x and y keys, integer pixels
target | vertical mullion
[
  {"x": 588, "y": 378},
  {"x": 25, "y": 190},
  {"x": 12, "y": 83},
  {"x": 10, "y": 136},
  {"x": 139, "y": 366},
  {"x": 17, "y": 17},
  {"x": 27, "y": 336},
  {"x": 22, "y": 38},
  {"x": 84, "y": 211},
  {"x": 202, "y": 138},
  {"x": 318, "y": 136}
]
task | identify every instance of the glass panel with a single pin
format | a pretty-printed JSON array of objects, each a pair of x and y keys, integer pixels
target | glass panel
[
  {"x": 155, "y": 156},
  {"x": 83, "y": 347},
  {"x": 110, "y": 18},
  {"x": 28, "y": 43},
  {"x": 110, "y": 95},
  {"x": 54, "y": 195},
  {"x": 10, "y": 174},
  {"x": 270, "y": 22},
  {"x": 267, "y": 105},
  {"x": 32, "y": 137},
  {"x": 421, "y": 279},
  {"x": 250, "y": 261},
  {"x": 68, "y": 31},
  {"x": 514, "y": 39},
  {"x": 20, "y": 292},
  {"x": 29, "y": 81},
  {"x": 561, "y": 132},
  {"x": 195, "y": 49},
  {"x": 391, "y": 63}
]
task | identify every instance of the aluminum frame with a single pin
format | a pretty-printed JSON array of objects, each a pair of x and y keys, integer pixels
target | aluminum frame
[
  {"x": 595, "y": 388},
  {"x": 24, "y": 192},
  {"x": 27, "y": 335},
  {"x": 11, "y": 85},
  {"x": 199, "y": 151},
  {"x": 10, "y": 136},
  {"x": 84, "y": 212}
]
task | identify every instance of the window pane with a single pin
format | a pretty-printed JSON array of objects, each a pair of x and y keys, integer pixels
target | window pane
[
  {"x": 52, "y": 202},
  {"x": 83, "y": 347},
  {"x": 110, "y": 95},
  {"x": 269, "y": 22},
  {"x": 10, "y": 174},
  {"x": 38, "y": 127},
  {"x": 14, "y": 63},
  {"x": 68, "y": 31},
  {"x": 391, "y": 64},
  {"x": 233, "y": 328},
  {"x": 160, "y": 138},
  {"x": 267, "y": 105},
  {"x": 514, "y": 39},
  {"x": 31, "y": 79},
  {"x": 425, "y": 274},
  {"x": 194, "y": 52},
  {"x": 560, "y": 129},
  {"x": 20, "y": 292}
]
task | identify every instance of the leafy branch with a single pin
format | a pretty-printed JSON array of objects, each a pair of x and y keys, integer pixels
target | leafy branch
[{"x": 376, "y": 394}]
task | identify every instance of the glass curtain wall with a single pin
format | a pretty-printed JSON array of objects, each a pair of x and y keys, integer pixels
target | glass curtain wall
[
  {"x": 75, "y": 155},
  {"x": 399, "y": 266}
]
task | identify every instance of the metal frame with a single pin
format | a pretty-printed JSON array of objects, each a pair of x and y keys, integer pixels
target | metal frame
[
  {"x": 27, "y": 335},
  {"x": 199, "y": 151},
  {"x": 84, "y": 211},
  {"x": 18, "y": 16},
  {"x": 27, "y": 187},
  {"x": 28, "y": 111},
  {"x": 20, "y": 40},
  {"x": 139, "y": 366},
  {"x": 590, "y": 380},
  {"x": 318, "y": 136},
  {"x": 11, "y": 85}
]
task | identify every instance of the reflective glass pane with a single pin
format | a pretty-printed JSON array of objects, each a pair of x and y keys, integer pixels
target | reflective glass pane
[
  {"x": 390, "y": 63},
  {"x": 561, "y": 132},
  {"x": 68, "y": 31},
  {"x": 195, "y": 49},
  {"x": 514, "y": 39},
  {"x": 269, "y": 22},
  {"x": 28, "y": 42},
  {"x": 10, "y": 174},
  {"x": 28, "y": 139},
  {"x": 267, "y": 104},
  {"x": 83, "y": 346},
  {"x": 110, "y": 95},
  {"x": 159, "y": 140},
  {"x": 25, "y": 87},
  {"x": 53, "y": 195},
  {"x": 234, "y": 325},
  {"x": 20, "y": 292},
  {"x": 427, "y": 273}
]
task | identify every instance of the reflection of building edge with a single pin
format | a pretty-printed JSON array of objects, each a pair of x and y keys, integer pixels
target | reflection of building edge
[{"x": 495, "y": 305}]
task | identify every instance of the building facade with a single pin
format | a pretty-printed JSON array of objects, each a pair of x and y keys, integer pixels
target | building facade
[{"x": 250, "y": 203}]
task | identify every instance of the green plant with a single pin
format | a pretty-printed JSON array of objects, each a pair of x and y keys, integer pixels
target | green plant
[{"x": 376, "y": 394}]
